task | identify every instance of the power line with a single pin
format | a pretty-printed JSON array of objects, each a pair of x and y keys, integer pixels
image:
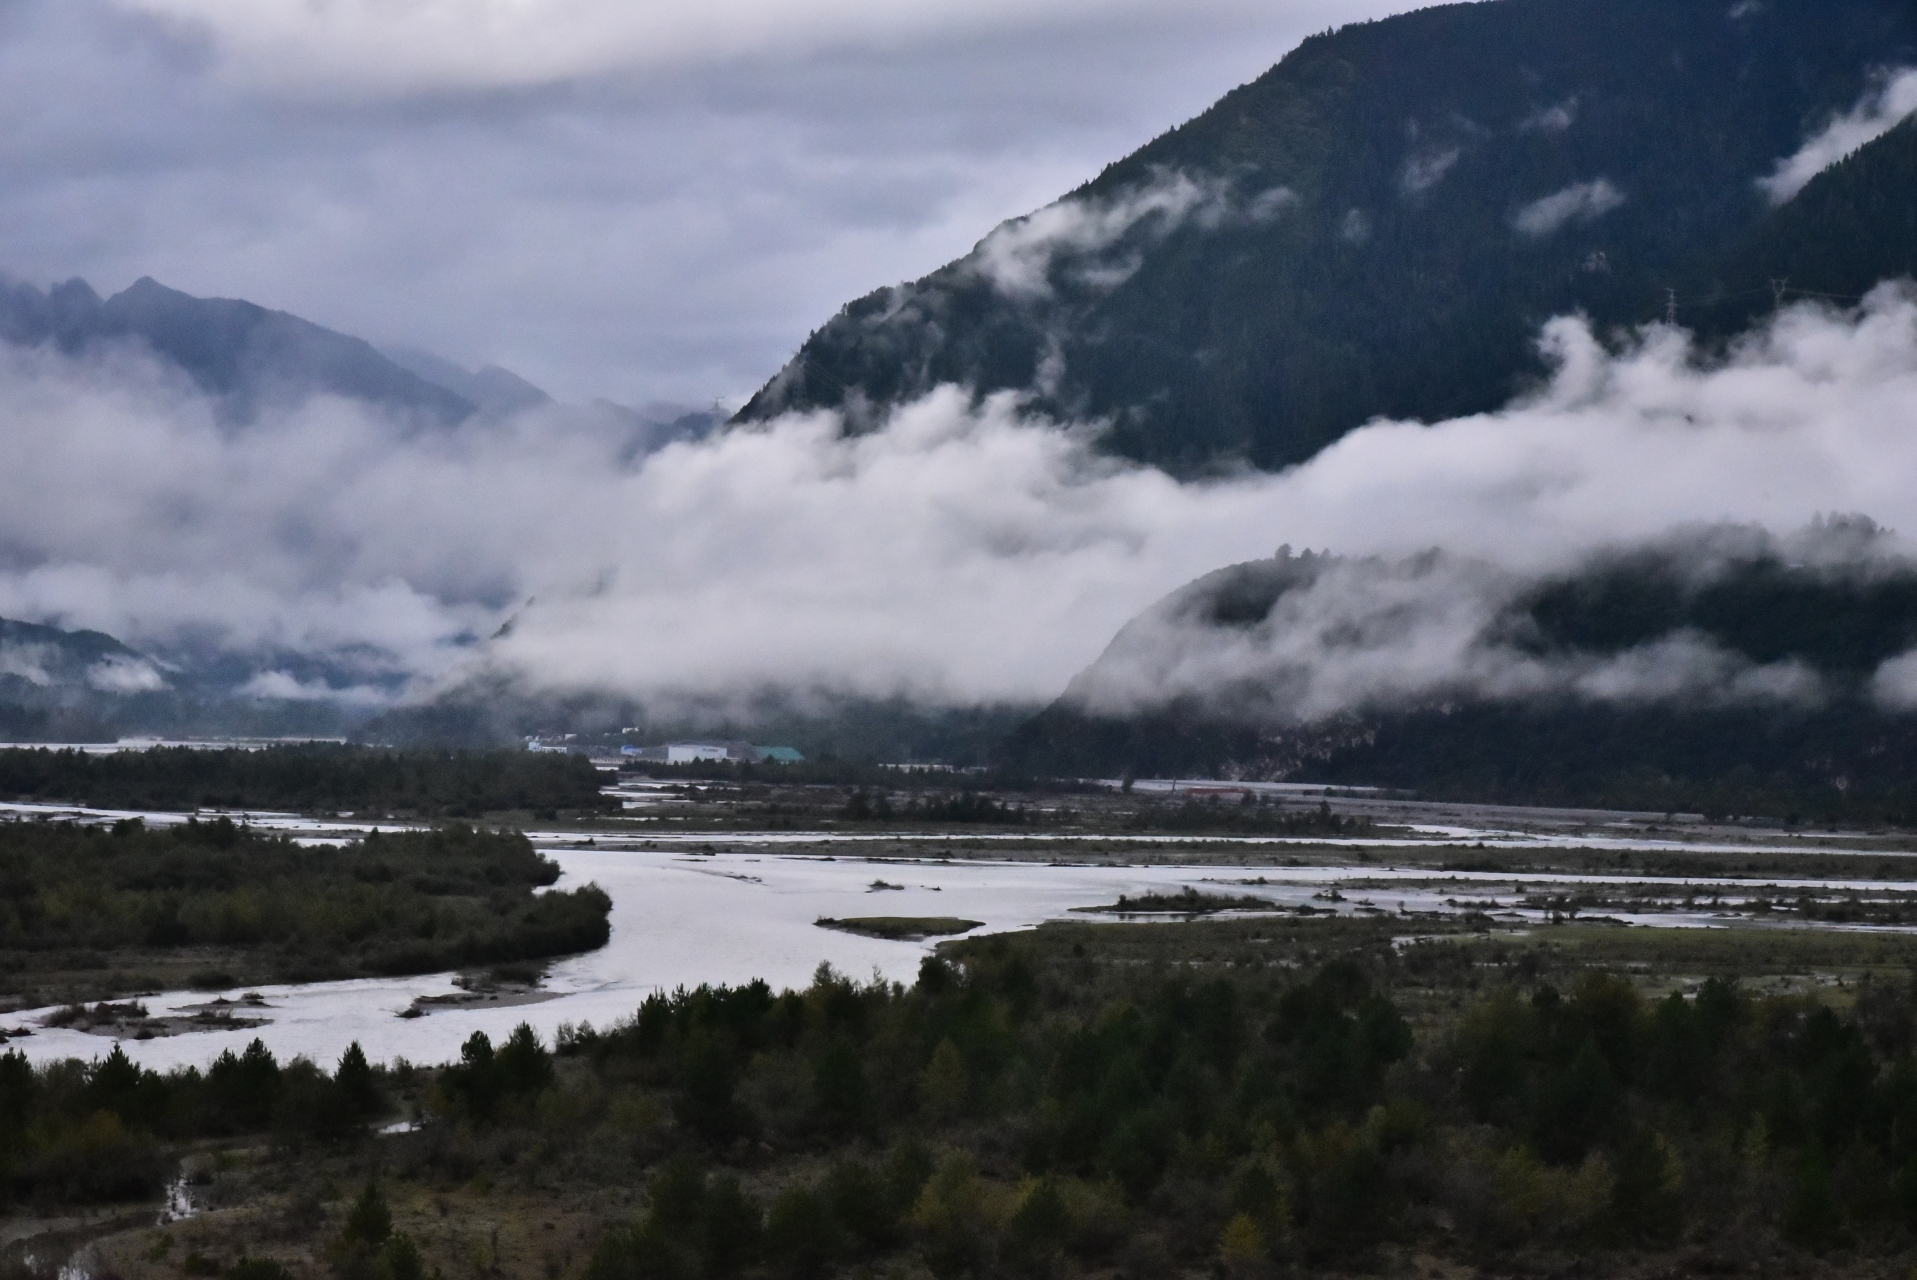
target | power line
[{"x": 1779, "y": 289}]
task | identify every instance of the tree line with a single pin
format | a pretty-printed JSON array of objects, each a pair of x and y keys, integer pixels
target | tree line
[
  {"x": 90, "y": 1133},
  {"x": 308, "y": 778},
  {"x": 997, "y": 1118},
  {"x": 392, "y": 903}
]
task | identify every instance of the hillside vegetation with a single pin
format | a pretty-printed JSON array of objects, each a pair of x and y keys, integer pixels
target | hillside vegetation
[
  {"x": 1676, "y": 625},
  {"x": 307, "y": 778},
  {"x": 1240, "y": 1099},
  {"x": 1849, "y": 228},
  {"x": 234, "y": 907}
]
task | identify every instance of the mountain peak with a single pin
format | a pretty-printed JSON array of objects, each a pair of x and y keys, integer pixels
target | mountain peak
[
  {"x": 73, "y": 292},
  {"x": 499, "y": 392}
]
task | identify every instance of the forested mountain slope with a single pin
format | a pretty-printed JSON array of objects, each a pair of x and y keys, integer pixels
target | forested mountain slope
[
  {"x": 1719, "y": 669},
  {"x": 86, "y": 686},
  {"x": 1380, "y": 223},
  {"x": 1850, "y": 227},
  {"x": 55, "y": 684}
]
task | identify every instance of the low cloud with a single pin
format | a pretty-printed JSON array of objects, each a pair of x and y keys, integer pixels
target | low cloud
[
  {"x": 284, "y": 687},
  {"x": 1880, "y": 110},
  {"x": 1895, "y": 684},
  {"x": 964, "y": 552},
  {"x": 47, "y": 666},
  {"x": 1426, "y": 169},
  {"x": 1078, "y": 235},
  {"x": 27, "y": 662},
  {"x": 1579, "y": 202},
  {"x": 1357, "y": 635},
  {"x": 124, "y": 675},
  {"x": 1552, "y": 119}
]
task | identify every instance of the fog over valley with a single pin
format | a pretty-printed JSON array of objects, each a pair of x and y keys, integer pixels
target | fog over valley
[
  {"x": 963, "y": 552},
  {"x": 940, "y": 499}
]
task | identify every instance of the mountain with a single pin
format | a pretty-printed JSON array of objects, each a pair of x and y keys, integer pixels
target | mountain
[
  {"x": 44, "y": 657},
  {"x": 54, "y": 683},
  {"x": 1379, "y": 225},
  {"x": 1719, "y": 669},
  {"x": 86, "y": 686},
  {"x": 658, "y": 423},
  {"x": 241, "y": 353},
  {"x": 498, "y": 392}
]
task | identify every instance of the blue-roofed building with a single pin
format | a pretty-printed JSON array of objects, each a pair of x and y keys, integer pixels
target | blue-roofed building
[{"x": 781, "y": 755}]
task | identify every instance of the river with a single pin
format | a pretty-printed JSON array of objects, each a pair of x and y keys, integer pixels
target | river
[{"x": 682, "y": 916}]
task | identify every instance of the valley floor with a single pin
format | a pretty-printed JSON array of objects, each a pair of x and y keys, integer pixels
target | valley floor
[{"x": 1495, "y": 938}]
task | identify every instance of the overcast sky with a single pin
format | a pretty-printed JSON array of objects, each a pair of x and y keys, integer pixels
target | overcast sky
[{"x": 635, "y": 199}]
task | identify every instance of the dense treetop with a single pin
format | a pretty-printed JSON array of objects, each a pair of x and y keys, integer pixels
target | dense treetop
[
  {"x": 407, "y": 902},
  {"x": 306, "y": 778},
  {"x": 1086, "y": 1100}
]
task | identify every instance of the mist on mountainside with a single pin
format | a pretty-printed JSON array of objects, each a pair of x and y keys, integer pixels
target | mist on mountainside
[
  {"x": 291, "y": 526},
  {"x": 1705, "y": 615},
  {"x": 965, "y": 555},
  {"x": 1379, "y": 225},
  {"x": 1641, "y": 671}
]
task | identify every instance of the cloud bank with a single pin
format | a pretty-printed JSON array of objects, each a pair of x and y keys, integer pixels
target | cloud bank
[
  {"x": 962, "y": 553},
  {"x": 383, "y": 46},
  {"x": 1357, "y": 635}
]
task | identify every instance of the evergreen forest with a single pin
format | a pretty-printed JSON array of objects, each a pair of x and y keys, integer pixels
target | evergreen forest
[
  {"x": 242, "y": 907},
  {"x": 1247, "y": 1099},
  {"x": 307, "y": 778}
]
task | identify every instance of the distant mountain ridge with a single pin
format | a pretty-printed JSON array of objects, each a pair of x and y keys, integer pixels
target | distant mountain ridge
[
  {"x": 44, "y": 656},
  {"x": 58, "y": 685},
  {"x": 497, "y": 392},
  {"x": 246, "y": 356},
  {"x": 54, "y": 684},
  {"x": 237, "y": 351},
  {"x": 1379, "y": 225}
]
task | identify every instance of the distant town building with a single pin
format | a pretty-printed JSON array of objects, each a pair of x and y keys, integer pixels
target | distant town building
[{"x": 695, "y": 752}]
